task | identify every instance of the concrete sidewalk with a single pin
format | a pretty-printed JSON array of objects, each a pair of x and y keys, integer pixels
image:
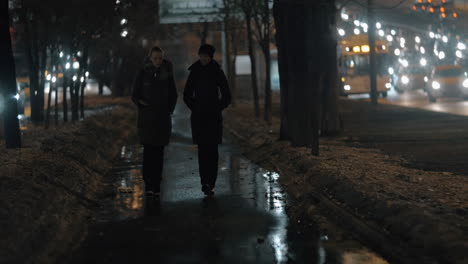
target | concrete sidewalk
[{"x": 245, "y": 222}]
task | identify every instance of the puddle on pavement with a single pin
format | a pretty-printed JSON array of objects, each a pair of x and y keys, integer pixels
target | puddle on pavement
[{"x": 251, "y": 192}]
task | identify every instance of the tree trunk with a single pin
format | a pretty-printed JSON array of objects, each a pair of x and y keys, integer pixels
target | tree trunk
[
  {"x": 51, "y": 86},
  {"x": 82, "y": 99},
  {"x": 204, "y": 33},
  {"x": 32, "y": 57},
  {"x": 302, "y": 55},
  {"x": 74, "y": 97},
  {"x": 40, "y": 92},
  {"x": 230, "y": 76},
  {"x": 372, "y": 62},
  {"x": 8, "y": 81},
  {"x": 267, "y": 56},
  {"x": 280, "y": 21},
  {"x": 234, "y": 47},
  {"x": 84, "y": 63},
  {"x": 266, "y": 51},
  {"x": 253, "y": 65},
  {"x": 66, "y": 83},
  {"x": 330, "y": 124},
  {"x": 56, "y": 117},
  {"x": 101, "y": 87}
]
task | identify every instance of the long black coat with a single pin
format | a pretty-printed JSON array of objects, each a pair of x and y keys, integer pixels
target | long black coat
[
  {"x": 207, "y": 93},
  {"x": 155, "y": 94}
]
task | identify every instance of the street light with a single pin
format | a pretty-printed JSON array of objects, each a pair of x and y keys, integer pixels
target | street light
[
  {"x": 423, "y": 62},
  {"x": 441, "y": 55}
]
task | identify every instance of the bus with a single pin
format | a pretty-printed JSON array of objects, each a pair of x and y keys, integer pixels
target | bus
[{"x": 354, "y": 65}]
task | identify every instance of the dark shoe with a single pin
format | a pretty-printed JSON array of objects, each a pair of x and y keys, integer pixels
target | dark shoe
[{"x": 207, "y": 189}]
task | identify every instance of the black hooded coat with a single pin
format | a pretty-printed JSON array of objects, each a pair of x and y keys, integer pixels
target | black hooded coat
[
  {"x": 155, "y": 94},
  {"x": 207, "y": 94}
]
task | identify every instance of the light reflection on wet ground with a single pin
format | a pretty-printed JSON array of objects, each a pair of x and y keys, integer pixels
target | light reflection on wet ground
[{"x": 245, "y": 222}]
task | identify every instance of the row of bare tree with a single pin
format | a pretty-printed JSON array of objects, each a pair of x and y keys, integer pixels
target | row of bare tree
[
  {"x": 305, "y": 35},
  {"x": 55, "y": 34}
]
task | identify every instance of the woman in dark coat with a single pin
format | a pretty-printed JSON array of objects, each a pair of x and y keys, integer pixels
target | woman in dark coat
[
  {"x": 155, "y": 94},
  {"x": 207, "y": 94}
]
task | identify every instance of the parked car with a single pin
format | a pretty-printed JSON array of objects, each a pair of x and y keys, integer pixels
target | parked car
[{"x": 447, "y": 81}]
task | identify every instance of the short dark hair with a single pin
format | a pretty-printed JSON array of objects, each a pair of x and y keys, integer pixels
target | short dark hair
[
  {"x": 155, "y": 49},
  {"x": 207, "y": 49}
]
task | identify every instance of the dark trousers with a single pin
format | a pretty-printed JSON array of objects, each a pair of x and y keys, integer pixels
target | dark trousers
[
  {"x": 208, "y": 164},
  {"x": 153, "y": 158}
]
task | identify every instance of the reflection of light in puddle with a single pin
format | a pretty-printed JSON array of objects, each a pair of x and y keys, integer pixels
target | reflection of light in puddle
[
  {"x": 322, "y": 254},
  {"x": 130, "y": 203},
  {"x": 271, "y": 175},
  {"x": 122, "y": 152},
  {"x": 275, "y": 203},
  {"x": 361, "y": 257},
  {"x": 278, "y": 242}
]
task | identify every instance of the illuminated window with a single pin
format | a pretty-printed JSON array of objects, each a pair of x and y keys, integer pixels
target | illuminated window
[
  {"x": 365, "y": 48},
  {"x": 356, "y": 49}
]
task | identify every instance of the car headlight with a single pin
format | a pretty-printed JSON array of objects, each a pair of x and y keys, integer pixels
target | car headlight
[
  {"x": 436, "y": 85},
  {"x": 347, "y": 87},
  {"x": 426, "y": 79},
  {"x": 465, "y": 83},
  {"x": 405, "y": 79}
]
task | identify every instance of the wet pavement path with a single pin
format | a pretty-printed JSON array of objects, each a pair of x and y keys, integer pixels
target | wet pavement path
[{"x": 245, "y": 222}]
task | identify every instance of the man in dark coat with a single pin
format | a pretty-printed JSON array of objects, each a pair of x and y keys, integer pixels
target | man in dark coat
[
  {"x": 155, "y": 94},
  {"x": 207, "y": 95}
]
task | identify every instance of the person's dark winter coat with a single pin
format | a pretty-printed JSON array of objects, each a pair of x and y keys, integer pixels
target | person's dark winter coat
[
  {"x": 155, "y": 94},
  {"x": 207, "y": 94}
]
